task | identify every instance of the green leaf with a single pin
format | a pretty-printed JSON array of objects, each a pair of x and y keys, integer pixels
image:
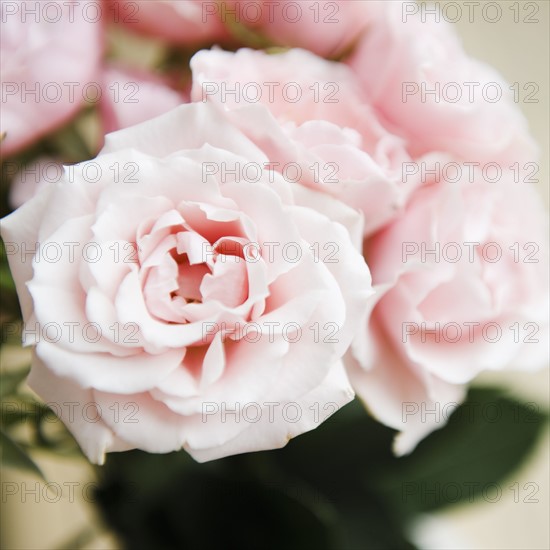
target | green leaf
[
  {"x": 13, "y": 455},
  {"x": 10, "y": 304},
  {"x": 332, "y": 457},
  {"x": 332, "y": 460},
  {"x": 6, "y": 280},
  {"x": 10, "y": 381},
  {"x": 485, "y": 440},
  {"x": 245, "y": 35},
  {"x": 70, "y": 144},
  {"x": 368, "y": 523},
  {"x": 349, "y": 459},
  {"x": 169, "y": 501},
  {"x": 18, "y": 408}
]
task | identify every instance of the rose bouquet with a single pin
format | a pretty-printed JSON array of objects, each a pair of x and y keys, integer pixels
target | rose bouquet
[{"x": 272, "y": 210}]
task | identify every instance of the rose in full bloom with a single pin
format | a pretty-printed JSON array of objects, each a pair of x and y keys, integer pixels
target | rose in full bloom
[
  {"x": 189, "y": 22},
  {"x": 462, "y": 281},
  {"x": 207, "y": 307},
  {"x": 313, "y": 121},
  {"x": 49, "y": 59},
  {"x": 327, "y": 28},
  {"x": 427, "y": 90}
]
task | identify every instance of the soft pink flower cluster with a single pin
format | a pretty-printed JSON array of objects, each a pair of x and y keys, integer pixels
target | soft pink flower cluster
[{"x": 215, "y": 262}]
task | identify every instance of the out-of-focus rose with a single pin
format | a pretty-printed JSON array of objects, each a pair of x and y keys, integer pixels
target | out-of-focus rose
[
  {"x": 210, "y": 311},
  {"x": 133, "y": 96},
  {"x": 429, "y": 91},
  {"x": 49, "y": 57},
  {"x": 311, "y": 117},
  {"x": 187, "y": 22},
  {"x": 462, "y": 282},
  {"x": 327, "y": 28}
]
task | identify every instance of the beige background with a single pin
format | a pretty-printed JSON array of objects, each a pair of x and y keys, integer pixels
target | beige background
[{"x": 521, "y": 52}]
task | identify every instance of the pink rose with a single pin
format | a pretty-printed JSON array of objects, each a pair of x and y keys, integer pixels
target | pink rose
[
  {"x": 211, "y": 312},
  {"x": 311, "y": 117},
  {"x": 179, "y": 22},
  {"x": 429, "y": 91},
  {"x": 324, "y": 27},
  {"x": 462, "y": 281},
  {"x": 49, "y": 56}
]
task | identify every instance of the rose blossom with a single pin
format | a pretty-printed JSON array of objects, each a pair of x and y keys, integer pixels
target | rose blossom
[
  {"x": 178, "y": 22},
  {"x": 48, "y": 68},
  {"x": 194, "y": 307},
  {"x": 327, "y": 28},
  {"x": 304, "y": 111},
  {"x": 462, "y": 281},
  {"x": 470, "y": 112}
]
